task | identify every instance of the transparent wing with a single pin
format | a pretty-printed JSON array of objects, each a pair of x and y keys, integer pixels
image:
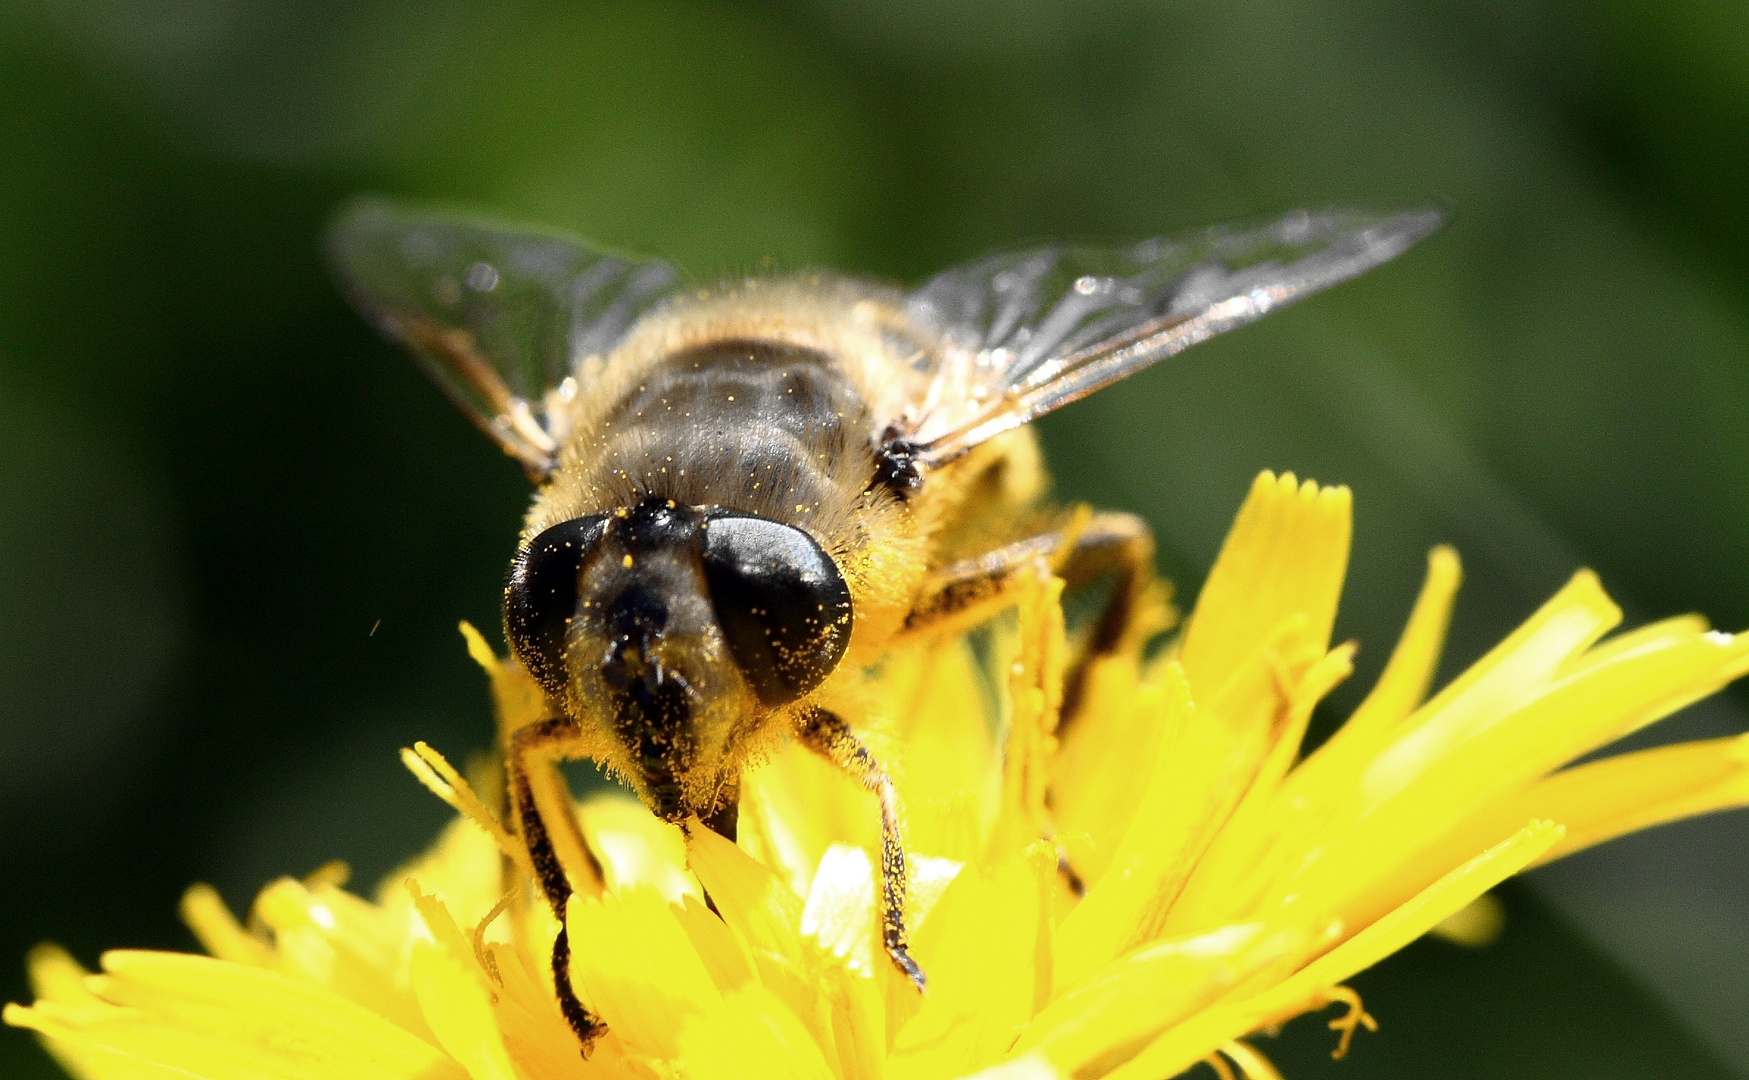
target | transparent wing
[
  {"x": 505, "y": 318},
  {"x": 1028, "y": 332}
]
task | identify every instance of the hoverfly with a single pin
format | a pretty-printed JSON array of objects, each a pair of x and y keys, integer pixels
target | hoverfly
[{"x": 746, "y": 488}]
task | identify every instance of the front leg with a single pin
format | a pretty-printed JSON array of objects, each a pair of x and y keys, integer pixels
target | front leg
[
  {"x": 829, "y": 736},
  {"x": 531, "y": 751}
]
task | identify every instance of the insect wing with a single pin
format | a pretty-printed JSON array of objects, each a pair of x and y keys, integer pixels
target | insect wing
[
  {"x": 507, "y": 319},
  {"x": 1028, "y": 332}
]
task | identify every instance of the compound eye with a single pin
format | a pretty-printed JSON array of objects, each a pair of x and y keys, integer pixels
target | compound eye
[
  {"x": 541, "y": 597},
  {"x": 781, "y": 603}
]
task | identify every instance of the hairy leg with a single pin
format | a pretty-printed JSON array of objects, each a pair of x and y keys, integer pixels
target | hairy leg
[
  {"x": 963, "y": 594},
  {"x": 530, "y": 755},
  {"x": 971, "y": 591},
  {"x": 829, "y": 736},
  {"x": 1121, "y": 545}
]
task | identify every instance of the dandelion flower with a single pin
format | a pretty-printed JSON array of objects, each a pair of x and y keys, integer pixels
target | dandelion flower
[{"x": 1228, "y": 881}]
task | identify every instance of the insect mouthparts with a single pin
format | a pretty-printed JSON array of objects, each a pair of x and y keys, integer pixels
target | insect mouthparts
[{"x": 635, "y": 621}]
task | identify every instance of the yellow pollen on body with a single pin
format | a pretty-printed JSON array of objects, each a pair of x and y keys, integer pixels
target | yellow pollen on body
[{"x": 626, "y": 562}]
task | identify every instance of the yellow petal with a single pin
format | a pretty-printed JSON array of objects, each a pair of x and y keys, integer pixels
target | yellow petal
[
  {"x": 1403, "y": 684},
  {"x": 1309, "y": 795},
  {"x": 56, "y": 976},
  {"x": 750, "y": 1036},
  {"x": 637, "y": 848},
  {"x": 1348, "y": 827},
  {"x": 1025, "y": 1067},
  {"x": 1286, "y": 555},
  {"x": 330, "y": 937},
  {"x": 1475, "y": 925},
  {"x": 1322, "y": 677},
  {"x": 1191, "y": 1041},
  {"x": 464, "y": 866},
  {"x": 1400, "y": 839},
  {"x": 535, "y": 1034},
  {"x": 195, "y": 1017},
  {"x": 1663, "y": 632},
  {"x": 1096, "y": 785},
  {"x": 489, "y": 1017},
  {"x": 936, "y": 691},
  {"x": 840, "y": 919},
  {"x": 752, "y": 901},
  {"x": 798, "y": 805},
  {"x": 1172, "y": 809},
  {"x": 218, "y": 931},
  {"x": 1231, "y": 874},
  {"x": 986, "y": 947},
  {"x": 729, "y": 963},
  {"x": 840, "y": 913},
  {"x": 520, "y": 700},
  {"x": 1485, "y": 698},
  {"x": 1425, "y": 910},
  {"x": 1198, "y": 781},
  {"x": 459, "y": 1013},
  {"x": 1147, "y": 991},
  {"x": 58, "y": 980},
  {"x": 634, "y": 964},
  {"x": 1647, "y": 805},
  {"x": 1035, "y": 692},
  {"x": 1604, "y": 799}
]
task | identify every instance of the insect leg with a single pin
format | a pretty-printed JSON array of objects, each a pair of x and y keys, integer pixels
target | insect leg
[
  {"x": 829, "y": 736},
  {"x": 1119, "y": 544},
  {"x": 531, "y": 748},
  {"x": 968, "y": 592},
  {"x": 963, "y": 594}
]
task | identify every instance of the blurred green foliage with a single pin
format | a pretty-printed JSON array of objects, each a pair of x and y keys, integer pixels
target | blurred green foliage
[{"x": 236, "y": 531}]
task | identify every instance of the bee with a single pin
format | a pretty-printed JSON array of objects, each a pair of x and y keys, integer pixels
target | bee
[{"x": 747, "y": 490}]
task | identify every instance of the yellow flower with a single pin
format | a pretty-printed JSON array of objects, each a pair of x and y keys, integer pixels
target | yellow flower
[{"x": 1230, "y": 883}]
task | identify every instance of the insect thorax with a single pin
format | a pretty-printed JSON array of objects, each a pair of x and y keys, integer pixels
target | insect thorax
[{"x": 769, "y": 428}]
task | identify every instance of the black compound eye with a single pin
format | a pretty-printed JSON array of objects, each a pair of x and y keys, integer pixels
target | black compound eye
[
  {"x": 782, "y": 605},
  {"x": 541, "y": 597}
]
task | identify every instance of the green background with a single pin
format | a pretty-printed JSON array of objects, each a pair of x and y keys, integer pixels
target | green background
[{"x": 215, "y": 481}]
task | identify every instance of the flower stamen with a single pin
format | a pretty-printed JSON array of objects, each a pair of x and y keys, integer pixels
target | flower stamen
[
  {"x": 488, "y": 962},
  {"x": 1356, "y": 1017},
  {"x": 219, "y": 932},
  {"x": 1219, "y": 1064},
  {"x": 334, "y": 873},
  {"x": 441, "y": 778},
  {"x": 1252, "y": 1064}
]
